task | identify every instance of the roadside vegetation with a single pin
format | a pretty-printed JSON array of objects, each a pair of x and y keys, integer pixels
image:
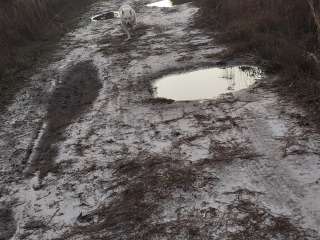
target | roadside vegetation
[
  {"x": 23, "y": 22},
  {"x": 29, "y": 31},
  {"x": 284, "y": 35}
]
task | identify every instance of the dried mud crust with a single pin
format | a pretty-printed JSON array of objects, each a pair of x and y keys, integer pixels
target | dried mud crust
[
  {"x": 35, "y": 51},
  {"x": 128, "y": 166}
]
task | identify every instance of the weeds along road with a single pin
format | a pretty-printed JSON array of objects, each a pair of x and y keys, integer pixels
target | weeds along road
[{"x": 88, "y": 153}]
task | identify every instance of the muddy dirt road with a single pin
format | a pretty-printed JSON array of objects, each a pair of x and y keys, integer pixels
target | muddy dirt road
[{"x": 87, "y": 152}]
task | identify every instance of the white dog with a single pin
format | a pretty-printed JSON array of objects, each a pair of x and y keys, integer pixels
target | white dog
[{"x": 128, "y": 19}]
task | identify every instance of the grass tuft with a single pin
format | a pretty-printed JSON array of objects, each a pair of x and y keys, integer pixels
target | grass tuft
[{"x": 284, "y": 35}]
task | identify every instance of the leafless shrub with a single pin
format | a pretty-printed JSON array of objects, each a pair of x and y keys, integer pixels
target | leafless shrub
[
  {"x": 284, "y": 34},
  {"x": 23, "y": 21}
]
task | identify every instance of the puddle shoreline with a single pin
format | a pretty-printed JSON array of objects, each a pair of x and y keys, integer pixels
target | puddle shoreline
[
  {"x": 204, "y": 84},
  {"x": 167, "y": 3},
  {"x": 161, "y": 4}
]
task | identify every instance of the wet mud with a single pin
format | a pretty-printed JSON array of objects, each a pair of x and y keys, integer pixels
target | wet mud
[
  {"x": 149, "y": 182},
  {"x": 35, "y": 52},
  {"x": 7, "y": 223},
  {"x": 108, "y": 160},
  {"x": 74, "y": 93},
  {"x": 104, "y": 16}
]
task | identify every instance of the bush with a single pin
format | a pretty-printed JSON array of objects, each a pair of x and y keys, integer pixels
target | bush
[
  {"x": 22, "y": 21},
  {"x": 282, "y": 33}
]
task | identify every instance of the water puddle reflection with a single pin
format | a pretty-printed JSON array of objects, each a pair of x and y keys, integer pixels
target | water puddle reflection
[
  {"x": 163, "y": 3},
  {"x": 167, "y": 3},
  {"x": 206, "y": 83}
]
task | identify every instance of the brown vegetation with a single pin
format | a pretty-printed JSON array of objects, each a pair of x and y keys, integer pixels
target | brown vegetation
[
  {"x": 140, "y": 186},
  {"x": 30, "y": 30},
  {"x": 283, "y": 34},
  {"x": 147, "y": 185},
  {"x": 25, "y": 21}
]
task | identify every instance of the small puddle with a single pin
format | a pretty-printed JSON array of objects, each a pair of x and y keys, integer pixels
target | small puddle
[
  {"x": 206, "y": 83},
  {"x": 167, "y": 3},
  {"x": 163, "y": 3},
  {"x": 105, "y": 16}
]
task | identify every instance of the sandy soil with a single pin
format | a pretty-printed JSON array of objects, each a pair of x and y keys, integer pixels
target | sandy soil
[{"x": 88, "y": 153}]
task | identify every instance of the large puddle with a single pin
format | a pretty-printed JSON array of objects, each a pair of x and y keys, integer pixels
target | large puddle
[{"x": 206, "y": 83}]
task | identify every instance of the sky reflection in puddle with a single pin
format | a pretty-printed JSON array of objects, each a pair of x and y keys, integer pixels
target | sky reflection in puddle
[{"x": 206, "y": 83}]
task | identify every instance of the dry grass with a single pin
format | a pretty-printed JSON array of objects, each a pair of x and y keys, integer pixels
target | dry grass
[
  {"x": 142, "y": 185},
  {"x": 254, "y": 222},
  {"x": 19, "y": 22},
  {"x": 24, "y": 21},
  {"x": 30, "y": 30},
  {"x": 283, "y": 34}
]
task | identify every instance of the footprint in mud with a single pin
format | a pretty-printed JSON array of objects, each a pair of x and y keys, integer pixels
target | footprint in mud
[
  {"x": 7, "y": 224},
  {"x": 74, "y": 94}
]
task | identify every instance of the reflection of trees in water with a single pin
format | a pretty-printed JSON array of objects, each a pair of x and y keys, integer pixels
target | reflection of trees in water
[
  {"x": 243, "y": 76},
  {"x": 229, "y": 75},
  {"x": 251, "y": 71}
]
